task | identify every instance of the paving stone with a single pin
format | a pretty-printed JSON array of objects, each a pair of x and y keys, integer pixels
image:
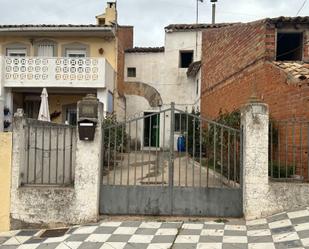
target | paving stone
[
  {"x": 288, "y": 244},
  {"x": 234, "y": 246},
  {"x": 119, "y": 238},
  {"x": 135, "y": 246},
  {"x": 204, "y": 239},
  {"x": 77, "y": 237},
  {"x": 285, "y": 230},
  {"x": 300, "y": 220},
  {"x": 130, "y": 224},
  {"x": 260, "y": 239},
  {"x": 90, "y": 245},
  {"x": 234, "y": 233},
  {"x": 27, "y": 233},
  {"x": 163, "y": 239},
  {"x": 303, "y": 234},
  {"x": 190, "y": 232},
  {"x": 184, "y": 246},
  {"x": 48, "y": 246},
  {"x": 105, "y": 230},
  {"x": 146, "y": 231},
  {"x": 171, "y": 225},
  {"x": 278, "y": 217}
]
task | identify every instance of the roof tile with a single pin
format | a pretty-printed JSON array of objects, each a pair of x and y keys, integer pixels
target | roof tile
[
  {"x": 299, "y": 70},
  {"x": 145, "y": 50}
]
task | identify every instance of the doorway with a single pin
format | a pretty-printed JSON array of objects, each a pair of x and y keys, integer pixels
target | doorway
[{"x": 151, "y": 129}]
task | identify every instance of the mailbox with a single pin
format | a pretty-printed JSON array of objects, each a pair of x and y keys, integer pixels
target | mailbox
[{"x": 87, "y": 117}]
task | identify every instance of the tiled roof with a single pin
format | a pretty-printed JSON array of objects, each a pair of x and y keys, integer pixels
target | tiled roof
[
  {"x": 285, "y": 19},
  {"x": 194, "y": 68},
  {"x": 52, "y": 26},
  {"x": 145, "y": 50},
  {"x": 188, "y": 27},
  {"x": 299, "y": 70}
]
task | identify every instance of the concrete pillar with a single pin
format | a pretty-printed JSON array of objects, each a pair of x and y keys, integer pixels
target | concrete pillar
[
  {"x": 102, "y": 97},
  {"x": 255, "y": 121},
  {"x": 88, "y": 173},
  {"x": 18, "y": 149}
]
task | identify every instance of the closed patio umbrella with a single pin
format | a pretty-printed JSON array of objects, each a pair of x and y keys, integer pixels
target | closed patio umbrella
[{"x": 44, "y": 109}]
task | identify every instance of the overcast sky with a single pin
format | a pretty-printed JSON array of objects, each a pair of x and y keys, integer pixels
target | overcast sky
[{"x": 149, "y": 17}]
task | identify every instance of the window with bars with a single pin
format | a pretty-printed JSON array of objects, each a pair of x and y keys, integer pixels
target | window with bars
[{"x": 180, "y": 122}]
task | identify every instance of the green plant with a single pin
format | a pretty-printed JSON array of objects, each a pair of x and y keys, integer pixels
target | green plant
[
  {"x": 284, "y": 172},
  {"x": 114, "y": 138},
  {"x": 222, "y": 145}
]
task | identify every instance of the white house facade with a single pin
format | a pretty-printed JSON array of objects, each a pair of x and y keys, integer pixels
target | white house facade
[{"x": 172, "y": 72}]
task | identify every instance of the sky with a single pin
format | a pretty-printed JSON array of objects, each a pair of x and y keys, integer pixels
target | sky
[{"x": 149, "y": 17}]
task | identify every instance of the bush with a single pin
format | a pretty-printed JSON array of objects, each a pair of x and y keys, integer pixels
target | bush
[
  {"x": 114, "y": 137},
  {"x": 285, "y": 172}
]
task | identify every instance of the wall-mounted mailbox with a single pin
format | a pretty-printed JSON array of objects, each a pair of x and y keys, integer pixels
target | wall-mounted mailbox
[
  {"x": 86, "y": 130},
  {"x": 87, "y": 117}
]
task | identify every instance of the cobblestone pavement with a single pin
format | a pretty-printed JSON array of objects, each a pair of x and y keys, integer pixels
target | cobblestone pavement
[{"x": 284, "y": 230}]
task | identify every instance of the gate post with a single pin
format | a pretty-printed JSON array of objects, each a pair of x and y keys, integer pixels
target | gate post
[
  {"x": 88, "y": 164},
  {"x": 255, "y": 125}
]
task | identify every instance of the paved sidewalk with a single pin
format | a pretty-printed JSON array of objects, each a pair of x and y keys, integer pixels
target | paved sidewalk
[{"x": 285, "y": 230}]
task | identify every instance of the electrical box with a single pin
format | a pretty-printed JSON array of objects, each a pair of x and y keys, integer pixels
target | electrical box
[{"x": 87, "y": 117}]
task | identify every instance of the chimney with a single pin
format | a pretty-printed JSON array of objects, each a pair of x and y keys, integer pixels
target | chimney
[{"x": 110, "y": 15}]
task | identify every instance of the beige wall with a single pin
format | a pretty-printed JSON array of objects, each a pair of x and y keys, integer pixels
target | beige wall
[
  {"x": 56, "y": 102},
  {"x": 108, "y": 45},
  {"x": 5, "y": 179}
]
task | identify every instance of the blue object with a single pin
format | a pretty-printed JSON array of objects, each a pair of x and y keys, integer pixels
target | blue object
[{"x": 181, "y": 144}]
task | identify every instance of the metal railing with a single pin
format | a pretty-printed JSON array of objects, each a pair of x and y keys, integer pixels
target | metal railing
[
  {"x": 171, "y": 147},
  {"x": 288, "y": 150},
  {"x": 49, "y": 153}
]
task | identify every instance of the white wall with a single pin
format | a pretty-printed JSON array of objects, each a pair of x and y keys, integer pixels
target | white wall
[
  {"x": 57, "y": 205},
  {"x": 162, "y": 72}
]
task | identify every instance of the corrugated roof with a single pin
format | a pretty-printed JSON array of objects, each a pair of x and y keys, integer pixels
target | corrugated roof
[
  {"x": 194, "y": 68},
  {"x": 200, "y": 26},
  {"x": 145, "y": 50},
  {"x": 298, "y": 70}
]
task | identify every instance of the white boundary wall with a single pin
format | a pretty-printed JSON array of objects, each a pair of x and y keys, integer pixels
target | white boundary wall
[
  {"x": 47, "y": 205},
  {"x": 261, "y": 197}
]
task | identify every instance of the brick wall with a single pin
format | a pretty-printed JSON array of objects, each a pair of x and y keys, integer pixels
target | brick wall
[
  {"x": 229, "y": 50},
  {"x": 125, "y": 41},
  {"x": 285, "y": 100},
  {"x": 236, "y": 64}
]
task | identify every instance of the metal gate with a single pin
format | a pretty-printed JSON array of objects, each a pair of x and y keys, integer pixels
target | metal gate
[{"x": 191, "y": 167}]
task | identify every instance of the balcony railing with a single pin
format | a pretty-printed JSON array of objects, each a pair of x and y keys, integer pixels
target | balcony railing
[{"x": 60, "y": 72}]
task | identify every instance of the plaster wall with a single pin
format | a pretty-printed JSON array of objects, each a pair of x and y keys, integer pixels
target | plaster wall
[
  {"x": 5, "y": 179},
  {"x": 52, "y": 206},
  {"x": 162, "y": 72}
]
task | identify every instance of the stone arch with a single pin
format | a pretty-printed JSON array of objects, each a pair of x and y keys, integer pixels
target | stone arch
[{"x": 144, "y": 90}]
